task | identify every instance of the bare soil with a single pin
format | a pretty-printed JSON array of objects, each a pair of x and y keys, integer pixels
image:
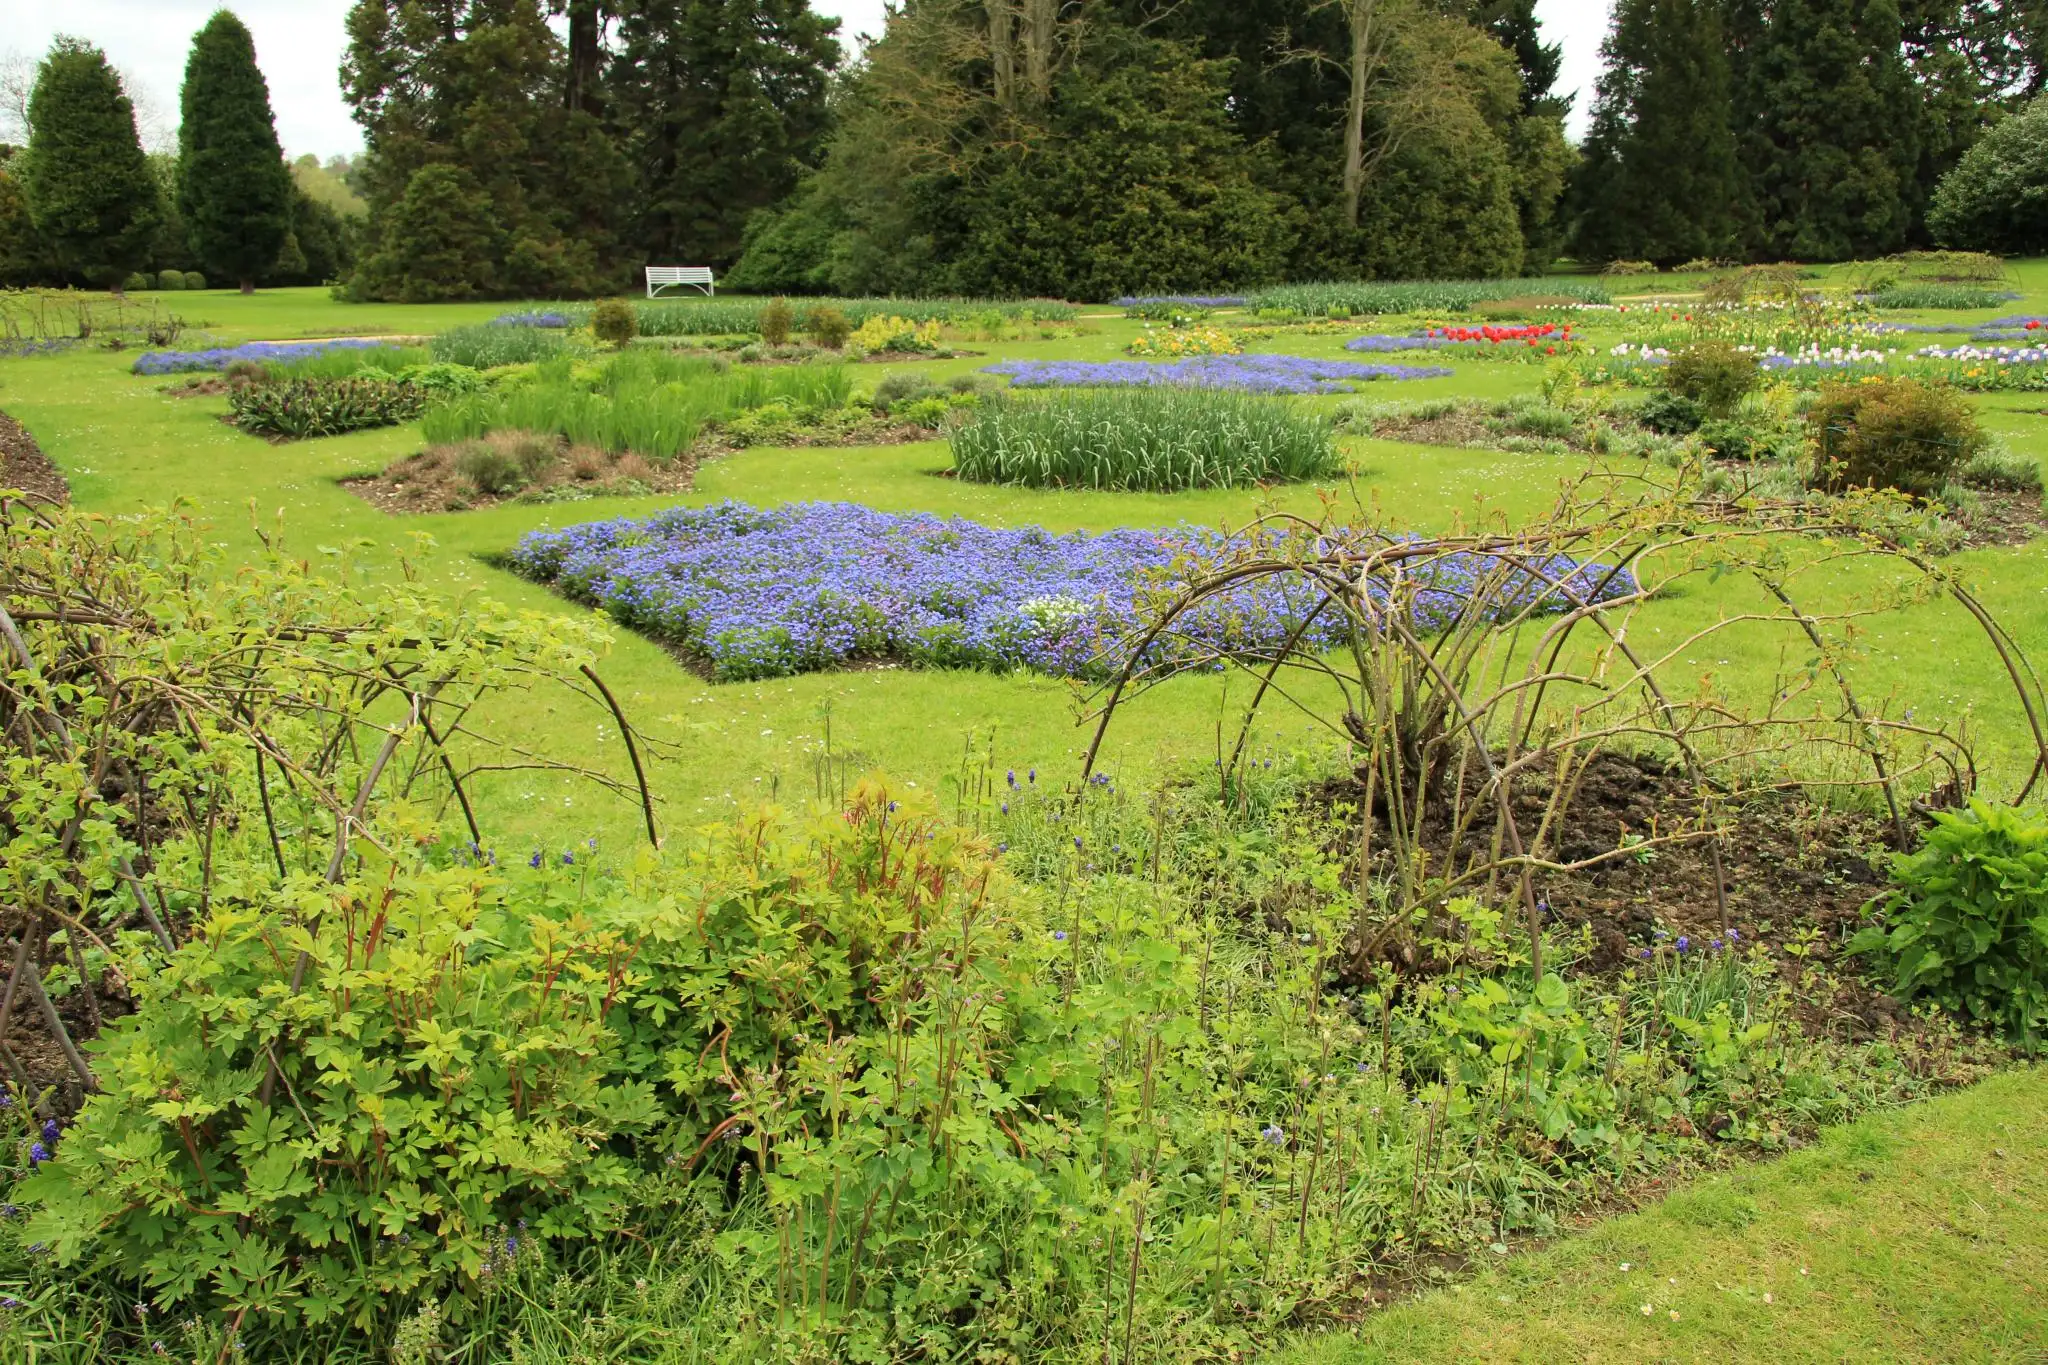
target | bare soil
[
  {"x": 2007, "y": 517},
  {"x": 24, "y": 466}
]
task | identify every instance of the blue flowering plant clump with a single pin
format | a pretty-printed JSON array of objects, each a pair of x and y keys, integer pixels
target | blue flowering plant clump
[
  {"x": 1255, "y": 373},
  {"x": 531, "y": 318},
  {"x": 261, "y": 352},
  {"x": 755, "y": 593}
]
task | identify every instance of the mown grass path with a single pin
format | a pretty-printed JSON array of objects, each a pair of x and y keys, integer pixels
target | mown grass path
[{"x": 1916, "y": 1235}]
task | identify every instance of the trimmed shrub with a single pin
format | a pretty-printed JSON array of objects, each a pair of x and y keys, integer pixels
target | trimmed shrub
[
  {"x": 1630, "y": 268},
  {"x": 1714, "y": 374},
  {"x": 136, "y": 281},
  {"x": 1672, "y": 414},
  {"x": 194, "y": 280},
  {"x": 828, "y": 327},
  {"x": 170, "y": 279},
  {"x": 614, "y": 322},
  {"x": 1884, "y": 432},
  {"x": 1153, "y": 439},
  {"x": 778, "y": 321}
]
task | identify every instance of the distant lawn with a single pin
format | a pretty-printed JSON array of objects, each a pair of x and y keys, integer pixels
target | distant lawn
[{"x": 1917, "y": 1235}]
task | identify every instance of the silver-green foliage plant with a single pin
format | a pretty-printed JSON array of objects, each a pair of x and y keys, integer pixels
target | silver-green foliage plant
[{"x": 1153, "y": 439}]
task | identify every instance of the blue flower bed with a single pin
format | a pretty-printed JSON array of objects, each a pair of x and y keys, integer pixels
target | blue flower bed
[
  {"x": 1241, "y": 373},
  {"x": 219, "y": 358},
  {"x": 1386, "y": 342},
  {"x": 1183, "y": 300},
  {"x": 21, "y": 346},
  {"x": 759, "y": 593},
  {"x": 530, "y": 319}
]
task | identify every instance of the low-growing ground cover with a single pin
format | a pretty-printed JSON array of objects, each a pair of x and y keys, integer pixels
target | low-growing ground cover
[
  {"x": 761, "y": 593},
  {"x": 1238, "y": 373}
]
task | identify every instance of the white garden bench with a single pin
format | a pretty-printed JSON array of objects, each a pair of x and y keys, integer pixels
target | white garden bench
[{"x": 660, "y": 277}]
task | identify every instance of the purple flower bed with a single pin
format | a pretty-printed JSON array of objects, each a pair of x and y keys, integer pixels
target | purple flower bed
[
  {"x": 759, "y": 593},
  {"x": 219, "y": 358},
  {"x": 1387, "y": 341},
  {"x": 1184, "y": 300},
  {"x": 20, "y": 346},
  {"x": 1243, "y": 373},
  {"x": 530, "y": 319}
]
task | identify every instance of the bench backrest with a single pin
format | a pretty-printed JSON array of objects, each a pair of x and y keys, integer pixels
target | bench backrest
[{"x": 660, "y": 277}]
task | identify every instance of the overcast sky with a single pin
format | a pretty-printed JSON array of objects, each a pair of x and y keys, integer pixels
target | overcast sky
[{"x": 299, "y": 44}]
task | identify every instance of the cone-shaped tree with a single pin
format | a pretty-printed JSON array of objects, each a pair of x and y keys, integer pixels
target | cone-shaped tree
[
  {"x": 89, "y": 188},
  {"x": 1660, "y": 179},
  {"x": 234, "y": 189},
  {"x": 1838, "y": 125}
]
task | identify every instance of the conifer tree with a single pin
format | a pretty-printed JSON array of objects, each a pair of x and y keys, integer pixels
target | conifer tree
[
  {"x": 725, "y": 103},
  {"x": 1661, "y": 181},
  {"x": 88, "y": 185},
  {"x": 1838, "y": 127},
  {"x": 234, "y": 190}
]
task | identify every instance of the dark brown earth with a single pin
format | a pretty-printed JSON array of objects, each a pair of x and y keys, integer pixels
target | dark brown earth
[
  {"x": 430, "y": 482},
  {"x": 24, "y": 466}
]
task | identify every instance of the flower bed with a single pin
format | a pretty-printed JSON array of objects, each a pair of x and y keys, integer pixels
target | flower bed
[
  {"x": 1244, "y": 373},
  {"x": 1533, "y": 334},
  {"x": 1180, "y": 342},
  {"x": 1387, "y": 343},
  {"x": 530, "y": 319},
  {"x": 759, "y": 593},
  {"x": 262, "y": 352}
]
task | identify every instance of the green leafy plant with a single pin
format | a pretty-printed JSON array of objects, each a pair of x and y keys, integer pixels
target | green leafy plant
[
  {"x": 1966, "y": 921},
  {"x": 300, "y": 408},
  {"x": 1670, "y": 413}
]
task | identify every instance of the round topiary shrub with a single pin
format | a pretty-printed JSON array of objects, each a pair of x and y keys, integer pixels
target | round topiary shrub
[
  {"x": 1714, "y": 374},
  {"x": 194, "y": 280},
  {"x": 614, "y": 322},
  {"x": 136, "y": 281},
  {"x": 1996, "y": 198},
  {"x": 170, "y": 279},
  {"x": 1890, "y": 433}
]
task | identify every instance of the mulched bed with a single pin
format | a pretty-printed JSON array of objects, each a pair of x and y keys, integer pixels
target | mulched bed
[
  {"x": 1461, "y": 428},
  {"x": 420, "y": 483},
  {"x": 23, "y": 465},
  {"x": 2007, "y": 517}
]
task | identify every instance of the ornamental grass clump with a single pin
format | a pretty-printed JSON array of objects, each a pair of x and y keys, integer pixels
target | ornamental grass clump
[
  {"x": 1157, "y": 440},
  {"x": 486, "y": 345}
]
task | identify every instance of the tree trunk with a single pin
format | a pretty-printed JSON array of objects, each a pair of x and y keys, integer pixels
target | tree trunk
[
  {"x": 585, "y": 52},
  {"x": 1002, "y": 51},
  {"x": 248, "y": 286},
  {"x": 1040, "y": 27},
  {"x": 1360, "y": 13}
]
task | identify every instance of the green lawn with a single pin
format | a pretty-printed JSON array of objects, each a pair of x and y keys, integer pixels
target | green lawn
[
  {"x": 124, "y": 445},
  {"x": 1915, "y": 1235}
]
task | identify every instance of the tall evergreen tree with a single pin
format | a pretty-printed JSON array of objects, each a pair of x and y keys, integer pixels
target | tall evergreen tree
[
  {"x": 1514, "y": 24},
  {"x": 1838, "y": 130},
  {"x": 482, "y": 87},
  {"x": 89, "y": 188},
  {"x": 1660, "y": 179},
  {"x": 234, "y": 190},
  {"x": 724, "y": 103}
]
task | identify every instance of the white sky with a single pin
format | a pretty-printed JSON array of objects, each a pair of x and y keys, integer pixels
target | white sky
[{"x": 299, "y": 45}]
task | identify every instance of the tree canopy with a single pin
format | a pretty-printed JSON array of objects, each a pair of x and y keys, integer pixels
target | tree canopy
[
  {"x": 90, "y": 194},
  {"x": 234, "y": 190}
]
